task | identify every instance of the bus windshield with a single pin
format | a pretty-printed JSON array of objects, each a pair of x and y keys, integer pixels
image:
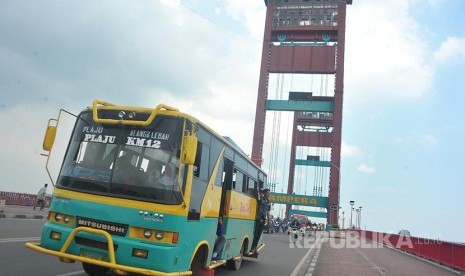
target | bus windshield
[{"x": 133, "y": 162}]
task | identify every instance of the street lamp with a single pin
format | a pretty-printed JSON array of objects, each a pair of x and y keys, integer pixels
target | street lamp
[
  {"x": 343, "y": 225},
  {"x": 339, "y": 184},
  {"x": 331, "y": 209},
  {"x": 360, "y": 217},
  {"x": 356, "y": 219},
  {"x": 351, "y": 209}
]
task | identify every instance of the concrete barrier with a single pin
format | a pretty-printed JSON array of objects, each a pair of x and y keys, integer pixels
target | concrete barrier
[
  {"x": 2, "y": 204},
  {"x": 337, "y": 234}
]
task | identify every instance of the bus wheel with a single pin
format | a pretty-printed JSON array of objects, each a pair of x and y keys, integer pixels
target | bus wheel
[
  {"x": 197, "y": 267},
  {"x": 95, "y": 270},
  {"x": 235, "y": 265}
]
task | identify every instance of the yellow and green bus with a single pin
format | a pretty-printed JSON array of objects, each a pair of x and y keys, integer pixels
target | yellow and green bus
[{"x": 113, "y": 209}]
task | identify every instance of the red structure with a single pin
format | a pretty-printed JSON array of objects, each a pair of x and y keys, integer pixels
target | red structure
[
  {"x": 305, "y": 37},
  {"x": 445, "y": 253}
]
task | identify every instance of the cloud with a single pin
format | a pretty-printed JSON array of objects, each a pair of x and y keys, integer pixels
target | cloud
[
  {"x": 384, "y": 52},
  {"x": 251, "y": 13},
  {"x": 349, "y": 150},
  {"x": 79, "y": 48},
  {"x": 430, "y": 2},
  {"x": 451, "y": 50},
  {"x": 430, "y": 141},
  {"x": 427, "y": 140},
  {"x": 63, "y": 55},
  {"x": 366, "y": 169}
]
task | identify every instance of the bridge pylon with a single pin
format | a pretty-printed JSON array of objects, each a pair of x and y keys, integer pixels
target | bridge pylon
[{"x": 305, "y": 37}]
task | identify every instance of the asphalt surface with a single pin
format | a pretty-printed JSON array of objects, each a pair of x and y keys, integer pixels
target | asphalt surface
[
  {"x": 340, "y": 256},
  {"x": 277, "y": 258},
  {"x": 328, "y": 257}
]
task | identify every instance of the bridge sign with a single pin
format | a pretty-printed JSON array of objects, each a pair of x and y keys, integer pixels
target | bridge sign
[{"x": 315, "y": 201}]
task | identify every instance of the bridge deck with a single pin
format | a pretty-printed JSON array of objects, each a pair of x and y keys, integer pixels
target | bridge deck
[{"x": 337, "y": 257}]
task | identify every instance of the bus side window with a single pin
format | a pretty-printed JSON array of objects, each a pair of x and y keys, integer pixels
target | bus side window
[
  {"x": 234, "y": 176},
  {"x": 252, "y": 189},
  {"x": 228, "y": 174},
  {"x": 215, "y": 149},
  {"x": 220, "y": 174},
  {"x": 198, "y": 160},
  {"x": 199, "y": 182},
  {"x": 238, "y": 186},
  {"x": 245, "y": 185}
]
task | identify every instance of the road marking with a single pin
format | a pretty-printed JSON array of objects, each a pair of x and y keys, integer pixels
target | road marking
[
  {"x": 380, "y": 270},
  {"x": 313, "y": 263},
  {"x": 382, "y": 245},
  {"x": 301, "y": 263},
  {"x": 19, "y": 239},
  {"x": 71, "y": 273},
  {"x": 23, "y": 219}
]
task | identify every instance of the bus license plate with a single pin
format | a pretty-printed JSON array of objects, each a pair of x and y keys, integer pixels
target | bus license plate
[{"x": 93, "y": 255}]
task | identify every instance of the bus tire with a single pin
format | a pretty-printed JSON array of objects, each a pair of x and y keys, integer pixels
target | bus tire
[
  {"x": 198, "y": 264},
  {"x": 235, "y": 265},
  {"x": 95, "y": 270}
]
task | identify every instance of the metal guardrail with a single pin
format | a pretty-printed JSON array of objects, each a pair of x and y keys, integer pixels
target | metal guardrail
[
  {"x": 22, "y": 199},
  {"x": 445, "y": 253}
]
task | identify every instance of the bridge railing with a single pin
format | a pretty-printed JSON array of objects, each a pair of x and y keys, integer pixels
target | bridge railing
[
  {"x": 21, "y": 199},
  {"x": 445, "y": 253}
]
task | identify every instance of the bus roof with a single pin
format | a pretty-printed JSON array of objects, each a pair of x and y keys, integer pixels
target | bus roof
[
  {"x": 231, "y": 141},
  {"x": 175, "y": 112}
]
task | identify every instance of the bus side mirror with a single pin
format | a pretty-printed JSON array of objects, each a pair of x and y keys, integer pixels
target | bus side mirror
[
  {"x": 49, "y": 138},
  {"x": 189, "y": 150}
]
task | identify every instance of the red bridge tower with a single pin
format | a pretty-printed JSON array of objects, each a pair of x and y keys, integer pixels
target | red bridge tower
[{"x": 305, "y": 37}]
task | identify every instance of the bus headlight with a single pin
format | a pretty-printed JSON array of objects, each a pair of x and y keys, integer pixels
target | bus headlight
[
  {"x": 140, "y": 253},
  {"x": 159, "y": 235},
  {"x": 58, "y": 217},
  {"x": 67, "y": 219},
  {"x": 55, "y": 235},
  {"x": 147, "y": 233}
]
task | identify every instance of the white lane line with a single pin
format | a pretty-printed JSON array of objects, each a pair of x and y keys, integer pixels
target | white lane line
[
  {"x": 22, "y": 219},
  {"x": 381, "y": 245},
  {"x": 311, "y": 269},
  {"x": 301, "y": 263},
  {"x": 380, "y": 270},
  {"x": 19, "y": 239},
  {"x": 71, "y": 273}
]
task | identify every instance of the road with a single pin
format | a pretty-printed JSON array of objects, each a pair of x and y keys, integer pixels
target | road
[
  {"x": 16, "y": 259},
  {"x": 279, "y": 257}
]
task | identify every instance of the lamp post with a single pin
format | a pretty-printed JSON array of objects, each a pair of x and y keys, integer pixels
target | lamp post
[
  {"x": 351, "y": 209},
  {"x": 339, "y": 184},
  {"x": 356, "y": 219},
  {"x": 330, "y": 215},
  {"x": 331, "y": 209},
  {"x": 343, "y": 225},
  {"x": 360, "y": 217}
]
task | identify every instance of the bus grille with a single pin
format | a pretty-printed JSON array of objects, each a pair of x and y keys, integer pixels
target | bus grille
[{"x": 94, "y": 244}]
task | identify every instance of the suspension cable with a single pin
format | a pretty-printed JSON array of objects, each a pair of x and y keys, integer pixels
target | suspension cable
[
  {"x": 278, "y": 132},
  {"x": 273, "y": 137}
]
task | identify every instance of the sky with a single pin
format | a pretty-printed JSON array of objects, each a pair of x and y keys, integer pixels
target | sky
[{"x": 403, "y": 92}]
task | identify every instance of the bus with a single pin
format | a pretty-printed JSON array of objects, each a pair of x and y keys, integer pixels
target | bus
[
  {"x": 302, "y": 219},
  {"x": 110, "y": 211}
]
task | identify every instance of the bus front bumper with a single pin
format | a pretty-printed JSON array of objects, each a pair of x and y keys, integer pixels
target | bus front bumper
[{"x": 120, "y": 269}]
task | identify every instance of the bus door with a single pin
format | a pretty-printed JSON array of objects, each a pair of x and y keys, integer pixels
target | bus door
[{"x": 228, "y": 169}]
